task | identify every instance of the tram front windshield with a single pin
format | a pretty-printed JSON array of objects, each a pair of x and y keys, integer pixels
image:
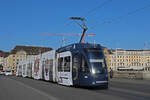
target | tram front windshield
[{"x": 96, "y": 59}]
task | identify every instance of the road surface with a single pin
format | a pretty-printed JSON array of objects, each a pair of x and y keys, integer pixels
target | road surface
[{"x": 18, "y": 88}]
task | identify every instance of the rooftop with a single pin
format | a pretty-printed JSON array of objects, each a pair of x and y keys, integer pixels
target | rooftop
[{"x": 30, "y": 50}]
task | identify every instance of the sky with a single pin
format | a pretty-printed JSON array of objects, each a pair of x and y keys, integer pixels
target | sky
[{"x": 117, "y": 23}]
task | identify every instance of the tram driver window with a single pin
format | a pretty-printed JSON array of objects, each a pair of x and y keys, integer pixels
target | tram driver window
[
  {"x": 67, "y": 64},
  {"x": 60, "y": 64}
]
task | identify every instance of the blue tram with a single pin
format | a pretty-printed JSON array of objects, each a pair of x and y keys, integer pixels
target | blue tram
[
  {"x": 77, "y": 64},
  {"x": 82, "y": 64}
]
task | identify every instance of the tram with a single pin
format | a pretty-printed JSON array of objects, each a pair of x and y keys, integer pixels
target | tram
[{"x": 73, "y": 65}]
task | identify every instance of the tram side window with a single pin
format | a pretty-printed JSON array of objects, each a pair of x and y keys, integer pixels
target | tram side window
[
  {"x": 20, "y": 69},
  {"x": 46, "y": 64},
  {"x": 51, "y": 65},
  {"x": 30, "y": 66},
  {"x": 24, "y": 67},
  {"x": 43, "y": 64},
  {"x": 67, "y": 64},
  {"x": 60, "y": 64}
]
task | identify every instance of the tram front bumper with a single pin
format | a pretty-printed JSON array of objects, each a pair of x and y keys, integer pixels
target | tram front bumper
[
  {"x": 98, "y": 83},
  {"x": 95, "y": 83}
]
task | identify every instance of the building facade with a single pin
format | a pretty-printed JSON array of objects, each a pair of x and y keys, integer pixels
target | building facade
[
  {"x": 106, "y": 53},
  {"x": 133, "y": 59},
  {"x": 3, "y": 55}
]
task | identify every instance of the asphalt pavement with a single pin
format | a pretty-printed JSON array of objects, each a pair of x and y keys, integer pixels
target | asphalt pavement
[{"x": 18, "y": 88}]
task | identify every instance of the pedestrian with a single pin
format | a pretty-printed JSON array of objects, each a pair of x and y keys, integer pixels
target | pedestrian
[{"x": 111, "y": 73}]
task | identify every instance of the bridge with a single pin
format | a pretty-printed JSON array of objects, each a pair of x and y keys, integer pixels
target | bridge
[{"x": 18, "y": 88}]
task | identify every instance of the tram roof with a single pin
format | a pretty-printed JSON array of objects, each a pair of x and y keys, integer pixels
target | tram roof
[{"x": 78, "y": 46}]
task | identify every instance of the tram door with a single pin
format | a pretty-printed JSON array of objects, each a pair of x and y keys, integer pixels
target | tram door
[
  {"x": 19, "y": 70},
  {"x": 24, "y": 72},
  {"x": 64, "y": 68},
  {"x": 43, "y": 66},
  {"x": 76, "y": 65}
]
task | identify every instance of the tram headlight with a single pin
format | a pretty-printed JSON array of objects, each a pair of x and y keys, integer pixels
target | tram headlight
[
  {"x": 93, "y": 71},
  {"x": 93, "y": 82}
]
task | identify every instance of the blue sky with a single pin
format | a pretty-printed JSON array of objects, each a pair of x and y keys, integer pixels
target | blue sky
[{"x": 22, "y": 21}]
